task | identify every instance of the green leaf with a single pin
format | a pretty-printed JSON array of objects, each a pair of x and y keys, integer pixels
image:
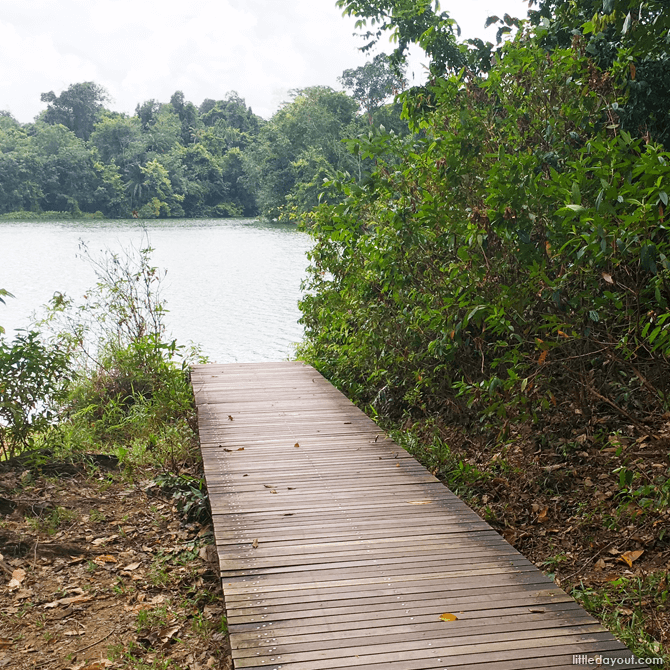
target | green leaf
[{"x": 576, "y": 193}]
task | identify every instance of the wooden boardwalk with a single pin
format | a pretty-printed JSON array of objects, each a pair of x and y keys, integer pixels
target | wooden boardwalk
[{"x": 338, "y": 550}]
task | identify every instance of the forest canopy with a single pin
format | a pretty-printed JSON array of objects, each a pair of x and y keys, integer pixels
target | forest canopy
[{"x": 176, "y": 159}]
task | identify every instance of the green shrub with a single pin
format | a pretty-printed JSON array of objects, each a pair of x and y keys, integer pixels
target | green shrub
[
  {"x": 517, "y": 250},
  {"x": 33, "y": 379}
]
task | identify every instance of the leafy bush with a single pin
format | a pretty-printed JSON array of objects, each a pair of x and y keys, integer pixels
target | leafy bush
[
  {"x": 131, "y": 392},
  {"x": 33, "y": 379},
  {"x": 517, "y": 251}
]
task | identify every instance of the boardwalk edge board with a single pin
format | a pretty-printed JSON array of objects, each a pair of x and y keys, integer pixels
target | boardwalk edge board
[{"x": 338, "y": 550}]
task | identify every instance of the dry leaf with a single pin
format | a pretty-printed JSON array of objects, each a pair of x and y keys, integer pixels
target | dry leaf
[
  {"x": 600, "y": 564},
  {"x": 608, "y": 278},
  {"x": 551, "y": 468},
  {"x": 68, "y": 601},
  {"x": 99, "y": 665},
  {"x": 227, "y": 449},
  {"x": 131, "y": 567},
  {"x": 5, "y": 644},
  {"x": 241, "y": 449},
  {"x": 105, "y": 558},
  {"x": 269, "y": 486},
  {"x": 536, "y": 610},
  {"x": 273, "y": 491},
  {"x": 254, "y": 544},
  {"x": 230, "y": 418},
  {"x": 419, "y": 502},
  {"x": 630, "y": 556},
  {"x": 168, "y": 633},
  {"x": 17, "y": 577},
  {"x": 102, "y": 540},
  {"x": 542, "y": 516},
  {"x": 72, "y": 633},
  {"x": 296, "y": 445},
  {"x": 397, "y": 465},
  {"x": 448, "y": 617},
  {"x": 291, "y": 488},
  {"x": 157, "y": 600}
]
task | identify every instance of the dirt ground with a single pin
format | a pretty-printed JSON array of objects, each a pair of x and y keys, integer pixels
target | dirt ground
[{"x": 101, "y": 573}]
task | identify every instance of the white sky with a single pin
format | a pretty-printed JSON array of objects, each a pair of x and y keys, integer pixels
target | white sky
[{"x": 142, "y": 49}]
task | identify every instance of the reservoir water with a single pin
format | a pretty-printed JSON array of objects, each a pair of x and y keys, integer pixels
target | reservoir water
[{"x": 232, "y": 286}]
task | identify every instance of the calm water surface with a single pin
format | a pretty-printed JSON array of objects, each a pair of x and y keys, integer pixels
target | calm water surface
[{"x": 231, "y": 286}]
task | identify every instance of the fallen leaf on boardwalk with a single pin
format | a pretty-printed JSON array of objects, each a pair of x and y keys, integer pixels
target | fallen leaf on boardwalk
[
  {"x": 131, "y": 567},
  {"x": 536, "y": 610},
  {"x": 273, "y": 491},
  {"x": 397, "y": 465},
  {"x": 229, "y": 450},
  {"x": 245, "y": 475},
  {"x": 630, "y": 556},
  {"x": 269, "y": 486},
  {"x": 230, "y": 418},
  {"x": 254, "y": 544},
  {"x": 105, "y": 558},
  {"x": 241, "y": 449},
  {"x": 296, "y": 445},
  {"x": 448, "y": 617},
  {"x": 17, "y": 577},
  {"x": 419, "y": 502},
  {"x": 68, "y": 601},
  {"x": 291, "y": 488}
]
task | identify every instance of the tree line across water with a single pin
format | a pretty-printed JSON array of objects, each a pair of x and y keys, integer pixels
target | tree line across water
[{"x": 176, "y": 159}]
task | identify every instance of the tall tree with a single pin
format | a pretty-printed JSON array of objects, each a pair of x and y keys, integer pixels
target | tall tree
[
  {"x": 374, "y": 83},
  {"x": 77, "y": 108}
]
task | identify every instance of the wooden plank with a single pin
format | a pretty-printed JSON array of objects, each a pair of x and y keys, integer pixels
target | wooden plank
[{"x": 343, "y": 552}]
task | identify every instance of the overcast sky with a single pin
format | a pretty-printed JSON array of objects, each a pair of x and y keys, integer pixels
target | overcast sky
[{"x": 142, "y": 49}]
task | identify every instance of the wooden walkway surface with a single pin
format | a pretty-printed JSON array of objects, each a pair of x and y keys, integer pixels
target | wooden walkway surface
[{"x": 338, "y": 550}]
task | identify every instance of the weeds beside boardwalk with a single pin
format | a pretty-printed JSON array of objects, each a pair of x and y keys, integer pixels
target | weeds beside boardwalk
[{"x": 105, "y": 539}]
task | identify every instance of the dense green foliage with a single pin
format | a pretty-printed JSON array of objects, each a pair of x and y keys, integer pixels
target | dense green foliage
[
  {"x": 101, "y": 374},
  {"x": 175, "y": 159},
  {"x": 33, "y": 380},
  {"x": 512, "y": 259}
]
